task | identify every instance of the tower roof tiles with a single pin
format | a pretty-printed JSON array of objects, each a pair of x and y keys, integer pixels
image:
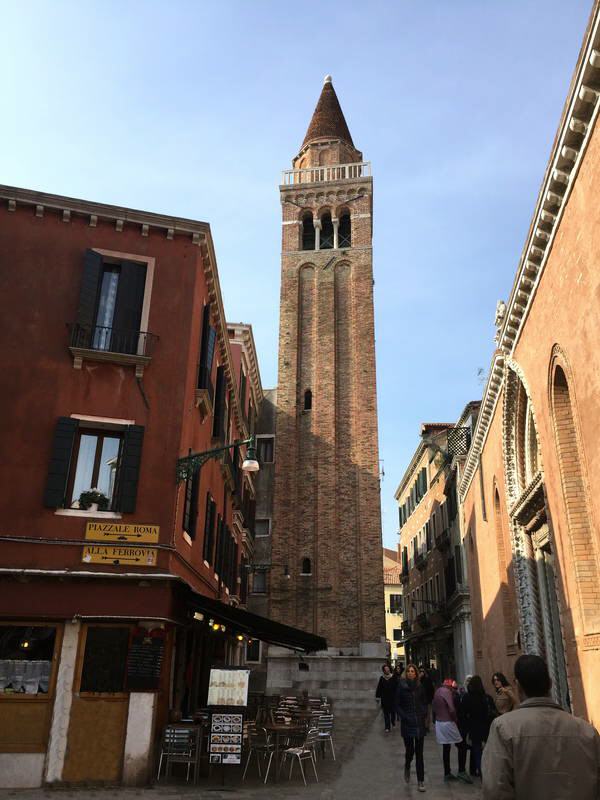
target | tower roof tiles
[{"x": 328, "y": 120}]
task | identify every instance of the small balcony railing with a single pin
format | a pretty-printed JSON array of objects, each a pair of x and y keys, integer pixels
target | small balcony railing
[
  {"x": 336, "y": 172},
  {"x": 113, "y": 345},
  {"x": 111, "y": 340}
]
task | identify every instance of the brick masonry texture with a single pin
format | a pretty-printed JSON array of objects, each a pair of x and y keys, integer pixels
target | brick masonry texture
[{"x": 327, "y": 505}]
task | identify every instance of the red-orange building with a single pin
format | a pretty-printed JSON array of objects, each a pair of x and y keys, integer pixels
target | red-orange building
[
  {"x": 529, "y": 501},
  {"x": 119, "y": 582}
]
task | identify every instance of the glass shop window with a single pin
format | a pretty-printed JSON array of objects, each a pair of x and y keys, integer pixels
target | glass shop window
[
  {"x": 26, "y": 659},
  {"x": 105, "y": 660}
]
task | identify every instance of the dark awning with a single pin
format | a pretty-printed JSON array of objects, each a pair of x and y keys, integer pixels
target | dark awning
[{"x": 267, "y": 630}]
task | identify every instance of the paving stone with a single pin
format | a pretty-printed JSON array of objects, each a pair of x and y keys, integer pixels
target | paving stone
[{"x": 369, "y": 765}]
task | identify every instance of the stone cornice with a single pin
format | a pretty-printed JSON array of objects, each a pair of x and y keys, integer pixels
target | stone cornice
[
  {"x": 249, "y": 351},
  {"x": 209, "y": 261},
  {"x": 70, "y": 206},
  {"x": 418, "y": 455},
  {"x": 573, "y": 136},
  {"x": 486, "y": 413}
]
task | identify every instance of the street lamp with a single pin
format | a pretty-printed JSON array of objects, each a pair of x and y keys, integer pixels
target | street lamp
[{"x": 190, "y": 464}]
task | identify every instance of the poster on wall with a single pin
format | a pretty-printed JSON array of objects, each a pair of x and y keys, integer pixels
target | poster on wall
[
  {"x": 228, "y": 687},
  {"x": 225, "y": 745}
]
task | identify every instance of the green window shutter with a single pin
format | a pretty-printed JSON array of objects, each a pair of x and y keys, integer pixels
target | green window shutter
[
  {"x": 208, "y": 525},
  {"x": 128, "y": 308},
  {"x": 219, "y": 414},
  {"x": 129, "y": 468},
  {"x": 60, "y": 462},
  {"x": 88, "y": 299},
  {"x": 88, "y": 292}
]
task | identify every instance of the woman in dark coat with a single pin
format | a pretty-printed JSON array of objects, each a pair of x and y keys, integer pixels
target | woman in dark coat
[
  {"x": 477, "y": 712},
  {"x": 411, "y": 708},
  {"x": 386, "y": 693}
]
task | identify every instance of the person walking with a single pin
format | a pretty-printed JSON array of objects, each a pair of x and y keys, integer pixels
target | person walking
[
  {"x": 411, "y": 706},
  {"x": 539, "y": 751},
  {"x": 505, "y": 697},
  {"x": 386, "y": 694},
  {"x": 474, "y": 720},
  {"x": 429, "y": 688},
  {"x": 398, "y": 670},
  {"x": 447, "y": 732}
]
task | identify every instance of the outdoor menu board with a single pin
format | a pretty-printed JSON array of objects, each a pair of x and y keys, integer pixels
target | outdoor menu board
[
  {"x": 226, "y": 738},
  {"x": 144, "y": 662},
  {"x": 228, "y": 687}
]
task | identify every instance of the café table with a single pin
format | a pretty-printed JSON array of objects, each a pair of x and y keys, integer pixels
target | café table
[{"x": 281, "y": 730}]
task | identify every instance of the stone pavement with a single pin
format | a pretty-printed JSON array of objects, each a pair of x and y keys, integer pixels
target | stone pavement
[{"x": 369, "y": 765}]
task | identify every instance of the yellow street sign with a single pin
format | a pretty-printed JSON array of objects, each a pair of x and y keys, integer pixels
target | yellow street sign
[
  {"x": 120, "y": 554},
  {"x": 113, "y": 532}
]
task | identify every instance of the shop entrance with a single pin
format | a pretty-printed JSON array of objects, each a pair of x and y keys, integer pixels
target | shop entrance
[{"x": 98, "y": 721}]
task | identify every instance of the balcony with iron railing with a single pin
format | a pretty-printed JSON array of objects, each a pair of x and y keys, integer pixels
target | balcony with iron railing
[
  {"x": 327, "y": 174},
  {"x": 115, "y": 345}
]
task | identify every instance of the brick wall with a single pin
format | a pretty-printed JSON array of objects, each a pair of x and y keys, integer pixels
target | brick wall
[{"x": 327, "y": 505}]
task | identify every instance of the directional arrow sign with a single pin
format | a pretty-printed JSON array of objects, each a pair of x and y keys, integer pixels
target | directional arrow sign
[
  {"x": 114, "y": 532},
  {"x": 119, "y": 554}
]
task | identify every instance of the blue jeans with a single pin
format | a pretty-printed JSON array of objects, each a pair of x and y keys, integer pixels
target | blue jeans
[{"x": 389, "y": 718}]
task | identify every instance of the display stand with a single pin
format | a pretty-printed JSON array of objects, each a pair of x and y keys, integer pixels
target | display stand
[{"x": 227, "y": 699}]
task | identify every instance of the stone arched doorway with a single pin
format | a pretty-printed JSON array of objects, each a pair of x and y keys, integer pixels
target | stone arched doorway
[{"x": 531, "y": 533}]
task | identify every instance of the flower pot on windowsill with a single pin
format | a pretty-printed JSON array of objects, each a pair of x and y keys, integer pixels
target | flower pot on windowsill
[{"x": 93, "y": 501}]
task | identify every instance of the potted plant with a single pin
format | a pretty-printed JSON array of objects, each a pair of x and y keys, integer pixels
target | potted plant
[{"x": 93, "y": 500}]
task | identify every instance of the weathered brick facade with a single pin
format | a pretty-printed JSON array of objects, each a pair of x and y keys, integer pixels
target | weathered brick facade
[{"x": 327, "y": 505}]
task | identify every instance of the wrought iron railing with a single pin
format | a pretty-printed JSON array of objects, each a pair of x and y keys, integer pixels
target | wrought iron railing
[{"x": 111, "y": 340}]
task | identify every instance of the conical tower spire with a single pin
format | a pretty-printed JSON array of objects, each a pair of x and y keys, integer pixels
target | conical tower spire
[{"x": 328, "y": 120}]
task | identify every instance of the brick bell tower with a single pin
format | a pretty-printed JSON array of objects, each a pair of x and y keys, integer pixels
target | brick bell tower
[{"x": 326, "y": 518}]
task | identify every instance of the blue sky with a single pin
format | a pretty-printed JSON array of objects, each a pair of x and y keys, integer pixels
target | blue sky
[{"x": 194, "y": 108}]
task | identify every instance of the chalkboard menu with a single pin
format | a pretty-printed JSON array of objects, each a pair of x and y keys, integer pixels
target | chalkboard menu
[{"x": 144, "y": 663}]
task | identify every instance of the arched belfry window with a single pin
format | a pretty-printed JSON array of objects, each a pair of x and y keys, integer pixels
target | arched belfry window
[
  {"x": 326, "y": 242},
  {"x": 307, "y": 400},
  {"x": 306, "y": 567},
  {"x": 345, "y": 231},
  {"x": 308, "y": 232}
]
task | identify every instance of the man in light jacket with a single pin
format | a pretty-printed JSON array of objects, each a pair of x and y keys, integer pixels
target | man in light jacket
[{"x": 539, "y": 751}]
